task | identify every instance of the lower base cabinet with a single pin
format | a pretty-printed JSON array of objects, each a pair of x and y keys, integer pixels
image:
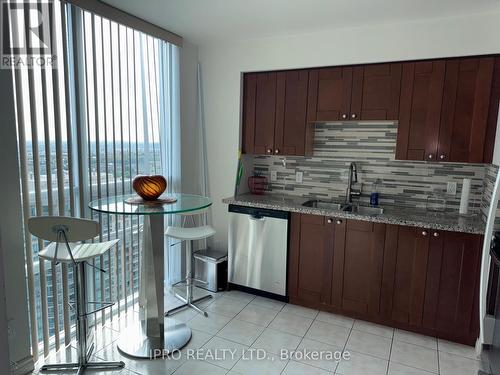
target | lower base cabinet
[{"x": 421, "y": 280}]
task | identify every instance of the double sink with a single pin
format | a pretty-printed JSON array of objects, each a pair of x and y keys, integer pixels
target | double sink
[{"x": 354, "y": 208}]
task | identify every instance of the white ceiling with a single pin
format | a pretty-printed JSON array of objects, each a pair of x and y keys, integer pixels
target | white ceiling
[{"x": 202, "y": 21}]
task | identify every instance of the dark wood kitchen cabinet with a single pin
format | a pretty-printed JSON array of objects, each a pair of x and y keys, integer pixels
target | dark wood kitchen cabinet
[
  {"x": 431, "y": 282},
  {"x": 376, "y": 91},
  {"x": 420, "y": 110},
  {"x": 336, "y": 263},
  {"x": 292, "y": 133},
  {"x": 274, "y": 113},
  {"x": 369, "y": 92},
  {"x": 466, "y": 101},
  {"x": 452, "y": 286},
  {"x": 445, "y": 109},
  {"x": 329, "y": 94},
  {"x": 411, "y": 278},
  {"x": 259, "y": 114},
  {"x": 357, "y": 266},
  {"x": 310, "y": 259},
  {"x": 405, "y": 267}
]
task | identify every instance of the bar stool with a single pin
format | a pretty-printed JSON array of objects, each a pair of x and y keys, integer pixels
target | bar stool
[
  {"x": 189, "y": 235},
  {"x": 69, "y": 231}
]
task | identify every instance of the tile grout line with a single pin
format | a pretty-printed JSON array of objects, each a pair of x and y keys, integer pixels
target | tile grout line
[
  {"x": 344, "y": 348},
  {"x": 390, "y": 353},
  {"x": 437, "y": 353},
  {"x": 278, "y": 312}
]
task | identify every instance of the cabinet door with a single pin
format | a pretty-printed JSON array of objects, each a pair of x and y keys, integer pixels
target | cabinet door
[
  {"x": 420, "y": 110},
  {"x": 375, "y": 92},
  {"x": 265, "y": 112},
  {"x": 492, "y": 114},
  {"x": 464, "y": 117},
  {"x": 310, "y": 263},
  {"x": 357, "y": 267},
  {"x": 329, "y": 97},
  {"x": 405, "y": 266},
  {"x": 291, "y": 110},
  {"x": 248, "y": 118},
  {"x": 452, "y": 283}
]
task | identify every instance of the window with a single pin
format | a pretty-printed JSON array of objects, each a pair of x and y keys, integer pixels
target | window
[{"x": 107, "y": 112}]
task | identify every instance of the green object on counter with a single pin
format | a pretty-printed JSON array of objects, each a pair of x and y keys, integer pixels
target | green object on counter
[{"x": 239, "y": 173}]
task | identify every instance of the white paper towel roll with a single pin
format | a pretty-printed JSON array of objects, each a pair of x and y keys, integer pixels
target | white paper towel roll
[{"x": 464, "y": 199}]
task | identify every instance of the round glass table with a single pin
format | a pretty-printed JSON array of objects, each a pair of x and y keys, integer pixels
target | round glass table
[{"x": 154, "y": 335}]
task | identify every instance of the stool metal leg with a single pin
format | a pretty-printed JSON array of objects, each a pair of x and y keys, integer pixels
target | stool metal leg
[
  {"x": 84, "y": 351},
  {"x": 189, "y": 302}
]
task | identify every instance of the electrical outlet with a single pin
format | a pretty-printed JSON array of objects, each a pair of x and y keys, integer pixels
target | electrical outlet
[
  {"x": 298, "y": 177},
  {"x": 451, "y": 188},
  {"x": 274, "y": 176}
]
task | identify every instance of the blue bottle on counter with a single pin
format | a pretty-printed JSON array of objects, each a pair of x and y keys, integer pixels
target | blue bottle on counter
[{"x": 374, "y": 194}]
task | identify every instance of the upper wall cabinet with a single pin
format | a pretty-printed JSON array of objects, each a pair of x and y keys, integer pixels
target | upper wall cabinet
[
  {"x": 259, "y": 113},
  {"x": 368, "y": 92},
  {"x": 375, "y": 92},
  {"x": 291, "y": 108},
  {"x": 274, "y": 113},
  {"x": 329, "y": 94},
  {"x": 466, "y": 100},
  {"x": 444, "y": 110},
  {"x": 447, "y": 109},
  {"x": 420, "y": 110}
]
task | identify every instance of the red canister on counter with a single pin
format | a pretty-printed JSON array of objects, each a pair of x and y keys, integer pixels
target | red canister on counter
[{"x": 257, "y": 184}]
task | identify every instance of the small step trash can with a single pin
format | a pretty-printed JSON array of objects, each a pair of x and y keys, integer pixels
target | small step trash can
[{"x": 211, "y": 266}]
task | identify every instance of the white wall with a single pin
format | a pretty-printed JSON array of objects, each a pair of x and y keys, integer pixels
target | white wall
[{"x": 222, "y": 65}]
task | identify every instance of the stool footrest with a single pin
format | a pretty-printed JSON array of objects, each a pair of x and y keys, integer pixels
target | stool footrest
[{"x": 189, "y": 304}]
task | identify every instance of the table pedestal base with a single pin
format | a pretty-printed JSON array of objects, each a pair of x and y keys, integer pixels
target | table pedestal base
[{"x": 134, "y": 342}]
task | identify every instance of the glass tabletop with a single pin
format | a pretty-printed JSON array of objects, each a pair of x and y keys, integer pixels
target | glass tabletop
[{"x": 118, "y": 205}]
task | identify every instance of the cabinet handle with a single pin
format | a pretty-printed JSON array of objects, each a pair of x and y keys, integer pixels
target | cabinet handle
[
  {"x": 269, "y": 151},
  {"x": 277, "y": 151},
  {"x": 353, "y": 115},
  {"x": 339, "y": 221},
  {"x": 435, "y": 234},
  {"x": 424, "y": 233},
  {"x": 442, "y": 157},
  {"x": 329, "y": 221},
  {"x": 430, "y": 156},
  {"x": 344, "y": 116}
]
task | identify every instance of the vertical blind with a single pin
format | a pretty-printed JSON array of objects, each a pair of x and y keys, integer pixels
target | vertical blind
[{"x": 108, "y": 112}]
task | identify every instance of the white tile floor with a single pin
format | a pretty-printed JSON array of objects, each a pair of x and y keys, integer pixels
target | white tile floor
[{"x": 248, "y": 326}]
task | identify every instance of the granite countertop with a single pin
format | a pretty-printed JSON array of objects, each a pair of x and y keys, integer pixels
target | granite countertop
[{"x": 392, "y": 214}]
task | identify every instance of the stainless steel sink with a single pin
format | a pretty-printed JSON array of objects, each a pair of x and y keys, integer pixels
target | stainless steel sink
[
  {"x": 365, "y": 210},
  {"x": 315, "y": 203}
]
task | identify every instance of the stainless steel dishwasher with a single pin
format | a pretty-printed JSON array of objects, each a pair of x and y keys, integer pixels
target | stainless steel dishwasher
[{"x": 257, "y": 249}]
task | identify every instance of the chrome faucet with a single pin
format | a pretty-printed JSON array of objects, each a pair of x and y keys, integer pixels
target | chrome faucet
[{"x": 350, "y": 192}]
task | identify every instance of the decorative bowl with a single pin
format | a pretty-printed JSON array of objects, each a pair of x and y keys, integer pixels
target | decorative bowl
[{"x": 149, "y": 187}]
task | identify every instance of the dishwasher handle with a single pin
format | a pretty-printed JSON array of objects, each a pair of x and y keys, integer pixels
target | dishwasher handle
[{"x": 256, "y": 218}]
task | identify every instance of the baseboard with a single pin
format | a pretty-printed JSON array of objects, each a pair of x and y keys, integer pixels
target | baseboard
[
  {"x": 22, "y": 367},
  {"x": 257, "y": 292}
]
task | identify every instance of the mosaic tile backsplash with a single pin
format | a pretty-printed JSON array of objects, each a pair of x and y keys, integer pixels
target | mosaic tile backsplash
[
  {"x": 489, "y": 183},
  {"x": 372, "y": 147}
]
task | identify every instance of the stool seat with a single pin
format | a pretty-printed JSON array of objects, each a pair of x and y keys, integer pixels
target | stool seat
[
  {"x": 81, "y": 251},
  {"x": 190, "y": 234}
]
